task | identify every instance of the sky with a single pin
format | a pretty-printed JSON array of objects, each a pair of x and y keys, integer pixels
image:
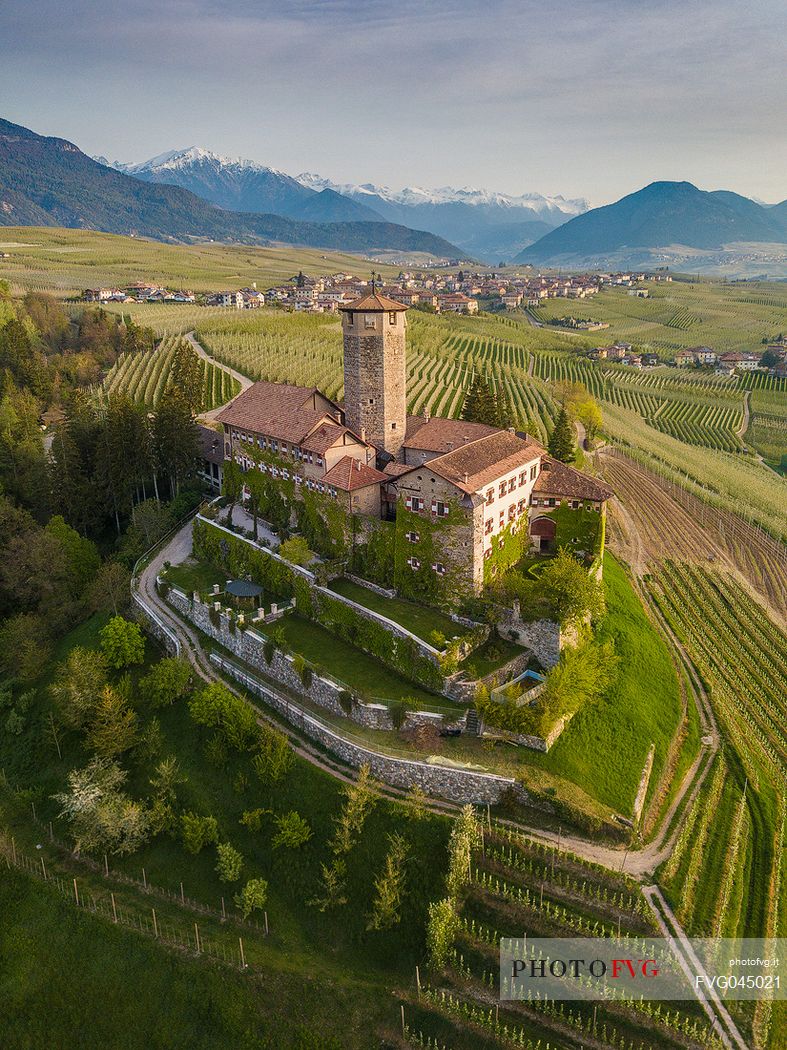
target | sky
[{"x": 584, "y": 98}]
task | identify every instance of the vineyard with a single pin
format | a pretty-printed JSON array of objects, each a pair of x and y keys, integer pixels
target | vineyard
[
  {"x": 518, "y": 886},
  {"x": 143, "y": 377},
  {"x": 680, "y": 314},
  {"x": 67, "y": 261}
]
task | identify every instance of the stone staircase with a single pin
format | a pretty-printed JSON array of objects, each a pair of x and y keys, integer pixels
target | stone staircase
[{"x": 473, "y": 724}]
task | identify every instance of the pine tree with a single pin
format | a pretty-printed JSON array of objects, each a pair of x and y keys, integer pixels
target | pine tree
[
  {"x": 561, "y": 441},
  {"x": 479, "y": 406}
]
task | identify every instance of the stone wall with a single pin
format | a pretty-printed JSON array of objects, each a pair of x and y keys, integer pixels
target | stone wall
[
  {"x": 456, "y": 784},
  {"x": 155, "y": 626},
  {"x": 386, "y": 592},
  {"x": 544, "y": 637},
  {"x": 463, "y": 690},
  {"x": 248, "y": 645},
  {"x": 395, "y": 629}
]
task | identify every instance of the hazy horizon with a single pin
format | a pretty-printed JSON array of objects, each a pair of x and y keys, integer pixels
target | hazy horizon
[{"x": 590, "y": 101}]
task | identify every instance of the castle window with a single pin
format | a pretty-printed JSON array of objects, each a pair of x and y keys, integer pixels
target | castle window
[
  {"x": 441, "y": 509},
  {"x": 414, "y": 563},
  {"x": 368, "y": 321},
  {"x": 502, "y": 489},
  {"x": 490, "y": 497},
  {"x": 349, "y": 317},
  {"x": 489, "y": 526},
  {"x": 534, "y": 472},
  {"x": 393, "y": 426},
  {"x": 575, "y": 504},
  {"x": 439, "y": 568},
  {"x": 512, "y": 512},
  {"x": 523, "y": 477},
  {"x": 521, "y": 507},
  {"x": 512, "y": 485},
  {"x": 371, "y": 400},
  {"x": 550, "y": 502},
  {"x": 392, "y": 317},
  {"x": 332, "y": 491}
]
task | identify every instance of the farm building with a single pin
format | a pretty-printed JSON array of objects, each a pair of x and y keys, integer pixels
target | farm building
[{"x": 459, "y": 493}]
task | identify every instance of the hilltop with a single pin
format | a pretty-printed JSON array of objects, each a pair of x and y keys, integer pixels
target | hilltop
[{"x": 659, "y": 216}]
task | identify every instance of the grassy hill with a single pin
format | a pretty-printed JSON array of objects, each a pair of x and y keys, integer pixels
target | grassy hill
[
  {"x": 50, "y": 182},
  {"x": 66, "y": 261}
]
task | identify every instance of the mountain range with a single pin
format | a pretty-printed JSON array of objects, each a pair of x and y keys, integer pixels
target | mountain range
[
  {"x": 50, "y": 182},
  {"x": 660, "y": 217},
  {"x": 193, "y": 194},
  {"x": 483, "y": 223}
]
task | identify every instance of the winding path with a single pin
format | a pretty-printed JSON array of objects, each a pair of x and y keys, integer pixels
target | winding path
[{"x": 199, "y": 349}]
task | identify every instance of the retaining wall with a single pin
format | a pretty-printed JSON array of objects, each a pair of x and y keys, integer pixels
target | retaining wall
[
  {"x": 248, "y": 645},
  {"x": 457, "y": 785}
]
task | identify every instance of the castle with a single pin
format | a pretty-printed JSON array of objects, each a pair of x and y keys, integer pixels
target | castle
[{"x": 464, "y": 496}]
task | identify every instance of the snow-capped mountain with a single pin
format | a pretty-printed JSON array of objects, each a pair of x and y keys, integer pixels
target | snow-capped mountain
[
  {"x": 415, "y": 196},
  {"x": 244, "y": 185},
  {"x": 487, "y": 224}
]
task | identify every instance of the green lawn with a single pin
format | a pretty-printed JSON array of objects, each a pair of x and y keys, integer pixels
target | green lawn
[
  {"x": 604, "y": 747},
  {"x": 191, "y": 575},
  {"x": 325, "y": 969},
  {"x": 362, "y": 673},
  {"x": 493, "y": 654},
  {"x": 419, "y": 619}
]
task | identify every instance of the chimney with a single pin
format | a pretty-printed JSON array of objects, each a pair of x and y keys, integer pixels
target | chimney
[
  {"x": 427, "y": 416},
  {"x": 254, "y": 285},
  {"x": 510, "y": 430},
  {"x": 466, "y": 477},
  {"x": 363, "y": 434}
]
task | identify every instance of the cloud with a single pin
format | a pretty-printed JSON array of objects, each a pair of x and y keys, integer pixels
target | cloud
[{"x": 585, "y": 98}]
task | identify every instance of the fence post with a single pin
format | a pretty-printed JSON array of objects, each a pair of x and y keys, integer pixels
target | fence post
[
  {"x": 106, "y": 866},
  {"x": 43, "y": 868},
  {"x": 114, "y": 907},
  {"x": 223, "y": 910},
  {"x": 155, "y": 923},
  {"x": 182, "y": 898},
  {"x": 196, "y": 938},
  {"x": 266, "y": 924},
  {"x": 144, "y": 879},
  {"x": 76, "y": 892},
  {"x": 242, "y": 956}
]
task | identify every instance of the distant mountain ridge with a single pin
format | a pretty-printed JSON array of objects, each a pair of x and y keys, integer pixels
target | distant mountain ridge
[
  {"x": 243, "y": 185},
  {"x": 658, "y": 216},
  {"x": 51, "y": 182},
  {"x": 485, "y": 223}
]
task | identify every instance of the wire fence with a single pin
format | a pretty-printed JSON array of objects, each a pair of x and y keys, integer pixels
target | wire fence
[{"x": 163, "y": 928}]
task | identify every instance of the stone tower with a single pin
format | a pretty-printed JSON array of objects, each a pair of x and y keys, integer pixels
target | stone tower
[{"x": 375, "y": 375}]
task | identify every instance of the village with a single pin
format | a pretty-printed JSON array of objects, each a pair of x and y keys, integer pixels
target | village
[{"x": 461, "y": 292}]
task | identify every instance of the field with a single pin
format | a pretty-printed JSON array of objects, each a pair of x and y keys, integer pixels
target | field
[
  {"x": 143, "y": 377},
  {"x": 684, "y": 313},
  {"x": 323, "y": 967},
  {"x": 67, "y": 261},
  {"x": 518, "y": 886}
]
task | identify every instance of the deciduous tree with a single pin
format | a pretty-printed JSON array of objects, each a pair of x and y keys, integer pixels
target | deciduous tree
[{"x": 122, "y": 643}]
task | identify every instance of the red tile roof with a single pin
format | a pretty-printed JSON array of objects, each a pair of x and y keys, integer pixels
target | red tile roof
[
  {"x": 442, "y": 435},
  {"x": 325, "y": 436},
  {"x": 559, "y": 479},
  {"x": 371, "y": 303},
  {"x": 480, "y": 462},
  {"x": 277, "y": 410},
  {"x": 350, "y": 474}
]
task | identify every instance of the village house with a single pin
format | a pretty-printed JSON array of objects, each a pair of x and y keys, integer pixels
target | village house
[{"x": 474, "y": 483}]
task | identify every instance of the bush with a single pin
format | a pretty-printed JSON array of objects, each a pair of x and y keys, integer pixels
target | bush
[
  {"x": 346, "y": 702},
  {"x": 215, "y": 707},
  {"x": 253, "y": 895},
  {"x": 122, "y": 643},
  {"x": 229, "y": 863},
  {"x": 296, "y": 551},
  {"x": 274, "y": 757},
  {"x": 166, "y": 682},
  {"x": 293, "y": 831},
  {"x": 198, "y": 831}
]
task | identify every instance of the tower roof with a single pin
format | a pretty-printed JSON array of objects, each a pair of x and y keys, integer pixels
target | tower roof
[{"x": 373, "y": 302}]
